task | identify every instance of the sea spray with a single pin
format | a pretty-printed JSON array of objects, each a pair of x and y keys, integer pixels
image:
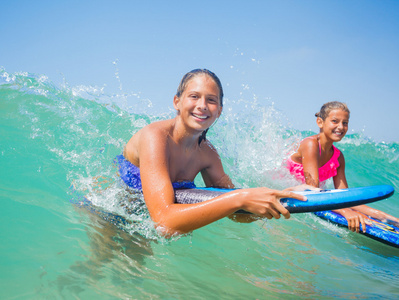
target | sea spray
[
  {"x": 58, "y": 145},
  {"x": 79, "y": 131}
]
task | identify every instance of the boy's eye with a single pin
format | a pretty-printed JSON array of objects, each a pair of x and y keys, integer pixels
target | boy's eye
[{"x": 212, "y": 100}]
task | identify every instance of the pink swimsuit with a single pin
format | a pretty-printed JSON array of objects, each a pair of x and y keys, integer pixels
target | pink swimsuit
[{"x": 325, "y": 172}]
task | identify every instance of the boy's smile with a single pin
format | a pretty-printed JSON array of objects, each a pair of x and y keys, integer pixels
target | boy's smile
[{"x": 199, "y": 105}]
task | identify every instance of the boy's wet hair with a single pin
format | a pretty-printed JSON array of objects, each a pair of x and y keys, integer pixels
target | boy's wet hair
[
  {"x": 330, "y": 106},
  {"x": 186, "y": 79},
  {"x": 190, "y": 75}
]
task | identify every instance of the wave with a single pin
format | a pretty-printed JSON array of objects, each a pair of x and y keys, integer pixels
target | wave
[{"x": 69, "y": 136}]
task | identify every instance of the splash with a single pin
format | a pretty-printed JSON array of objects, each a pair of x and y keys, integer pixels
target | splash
[{"x": 70, "y": 137}]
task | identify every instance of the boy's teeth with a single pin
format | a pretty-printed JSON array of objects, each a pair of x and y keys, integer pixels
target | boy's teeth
[{"x": 201, "y": 117}]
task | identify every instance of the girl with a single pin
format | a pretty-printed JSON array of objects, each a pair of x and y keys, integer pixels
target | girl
[
  {"x": 170, "y": 153},
  {"x": 317, "y": 160}
]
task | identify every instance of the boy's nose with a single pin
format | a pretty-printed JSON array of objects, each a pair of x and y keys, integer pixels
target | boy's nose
[{"x": 202, "y": 103}]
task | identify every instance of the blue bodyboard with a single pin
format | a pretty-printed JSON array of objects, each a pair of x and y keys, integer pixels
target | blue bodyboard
[
  {"x": 386, "y": 233},
  {"x": 317, "y": 200}
]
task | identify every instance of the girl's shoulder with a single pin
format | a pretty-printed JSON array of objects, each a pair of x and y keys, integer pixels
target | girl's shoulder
[
  {"x": 312, "y": 138},
  {"x": 308, "y": 143}
]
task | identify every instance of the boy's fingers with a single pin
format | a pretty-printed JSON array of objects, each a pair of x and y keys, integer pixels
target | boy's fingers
[{"x": 283, "y": 194}]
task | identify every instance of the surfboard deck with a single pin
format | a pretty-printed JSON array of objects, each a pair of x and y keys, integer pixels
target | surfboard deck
[
  {"x": 383, "y": 232},
  {"x": 317, "y": 201}
]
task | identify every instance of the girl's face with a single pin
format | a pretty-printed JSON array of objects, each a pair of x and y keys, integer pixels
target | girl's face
[
  {"x": 335, "y": 126},
  {"x": 199, "y": 105}
]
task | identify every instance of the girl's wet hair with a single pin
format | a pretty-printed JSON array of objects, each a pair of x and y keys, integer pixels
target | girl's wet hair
[
  {"x": 186, "y": 79},
  {"x": 330, "y": 106}
]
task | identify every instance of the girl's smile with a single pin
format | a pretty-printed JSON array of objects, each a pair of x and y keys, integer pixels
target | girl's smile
[{"x": 335, "y": 126}]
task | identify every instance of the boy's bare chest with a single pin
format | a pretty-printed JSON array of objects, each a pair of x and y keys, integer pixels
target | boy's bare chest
[{"x": 185, "y": 165}]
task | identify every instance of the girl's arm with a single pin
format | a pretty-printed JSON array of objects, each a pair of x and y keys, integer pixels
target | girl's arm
[
  {"x": 171, "y": 218},
  {"x": 340, "y": 183},
  {"x": 353, "y": 218},
  {"x": 309, "y": 150},
  {"x": 340, "y": 179},
  {"x": 310, "y": 154},
  {"x": 375, "y": 213}
]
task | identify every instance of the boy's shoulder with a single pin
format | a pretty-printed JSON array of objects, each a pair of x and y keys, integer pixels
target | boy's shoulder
[
  {"x": 156, "y": 128},
  {"x": 207, "y": 145}
]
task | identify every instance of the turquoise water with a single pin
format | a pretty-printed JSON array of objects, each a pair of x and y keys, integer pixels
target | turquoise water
[{"x": 57, "y": 146}]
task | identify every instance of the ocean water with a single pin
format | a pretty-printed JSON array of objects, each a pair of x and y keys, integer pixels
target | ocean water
[{"x": 56, "y": 150}]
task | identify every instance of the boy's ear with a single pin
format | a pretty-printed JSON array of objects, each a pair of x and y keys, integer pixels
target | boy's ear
[
  {"x": 176, "y": 102},
  {"x": 220, "y": 111},
  {"x": 319, "y": 122}
]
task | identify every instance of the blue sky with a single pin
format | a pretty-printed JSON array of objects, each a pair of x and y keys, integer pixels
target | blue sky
[{"x": 295, "y": 54}]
